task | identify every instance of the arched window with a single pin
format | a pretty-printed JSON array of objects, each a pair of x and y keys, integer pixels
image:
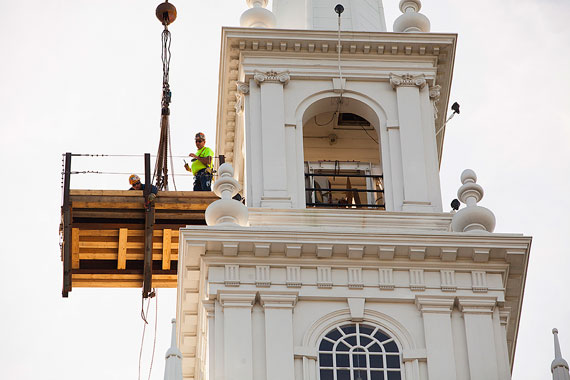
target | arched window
[{"x": 359, "y": 351}]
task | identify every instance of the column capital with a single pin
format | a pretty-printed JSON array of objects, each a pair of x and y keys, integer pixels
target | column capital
[
  {"x": 278, "y": 300},
  {"x": 242, "y": 87},
  {"x": 505, "y": 316},
  {"x": 209, "y": 308},
  {"x": 271, "y": 77},
  {"x": 408, "y": 80},
  {"x": 237, "y": 299},
  {"x": 435, "y": 92},
  {"x": 477, "y": 305},
  {"x": 440, "y": 305}
]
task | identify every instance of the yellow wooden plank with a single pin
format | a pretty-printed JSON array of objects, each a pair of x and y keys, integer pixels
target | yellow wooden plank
[
  {"x": 122, "y": 254},
  {"x": 98, "y": 233},
  {"x": 166, "y": 248},
  {"x": 121, "y": 193},
  {"x": 129, "y": 256},
  {"x": 125, "y": 205},
  {"x": 75, "y": 248},
  {"x": 120, "y": 276},
  {"x": 99, "y": 244},
  {"x": 109, "y": 284},
  {"x": 107, "y": 276},
  {"x": 183, "y": 206},
  {"x": 121, "y": 281},
  {"x": 115, "y": 245}
]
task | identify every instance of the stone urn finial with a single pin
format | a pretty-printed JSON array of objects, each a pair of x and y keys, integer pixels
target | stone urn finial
[
  {"x": 257, "y": 16},
  {"x": 472, "y": 218},
  {"x": 411, "y": 20},
  {"x": 226, "y": 211}
]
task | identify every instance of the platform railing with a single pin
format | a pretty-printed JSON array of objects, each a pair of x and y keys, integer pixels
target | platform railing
[{"x": 355, "y": 203}]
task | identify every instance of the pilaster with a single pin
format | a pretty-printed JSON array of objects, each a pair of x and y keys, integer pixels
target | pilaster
[
  {"x": 274, "y": 166},
  {"x": 210, "y": 313},
  {"x": 279, "y": 334},
  {"x": 413, "y": 155},
  {"x": 479, "y": 331},
  {"x": 436, "y": 313},
  {"x": 238, "y": 344}
]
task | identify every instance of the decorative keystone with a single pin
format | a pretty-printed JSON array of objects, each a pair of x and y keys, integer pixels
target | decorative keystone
[
  {"x": 226, "y": 211},
  {"x": 257, "y": 16},
  {"x": 411, "y": 20},
  {"x": 472, "y": 218}
]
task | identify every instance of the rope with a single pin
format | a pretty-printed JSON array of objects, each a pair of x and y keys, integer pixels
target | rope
[
  {"x": 171, "y": 160},
  {"x": 143, "y": 316},
  {"x": 104, "y": 155},
  {"x": 118, "y": 155},
  {"x": 161, "y": 165},
  {"x": 154, "y": 294},
  {"x": 155, "y": 329},
  {"x": 339, "y": 46},
  {"x": 364, "y": 129}
]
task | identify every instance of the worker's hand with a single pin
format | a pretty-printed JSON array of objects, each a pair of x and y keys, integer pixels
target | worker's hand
[
  {"x": 151, "y": 197},
  {"x": 193, "y": 155},
  {"x": 187, "y": 167}
]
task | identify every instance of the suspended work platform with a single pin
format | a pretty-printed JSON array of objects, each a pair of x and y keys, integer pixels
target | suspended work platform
[{"x": 115, "y": 239}]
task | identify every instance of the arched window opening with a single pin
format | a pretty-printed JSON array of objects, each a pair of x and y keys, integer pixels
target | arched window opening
[
  {"x": 359, "y": 351},
  {"x": 343, "y": 167}
]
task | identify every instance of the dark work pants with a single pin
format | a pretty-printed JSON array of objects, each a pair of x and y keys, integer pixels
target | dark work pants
[{"x": 202, "y": 181}]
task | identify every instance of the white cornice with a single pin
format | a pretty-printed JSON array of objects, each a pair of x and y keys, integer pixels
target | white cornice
[
  {"x": 317, "y": 44},
  {"x": 364, "y": 219}
]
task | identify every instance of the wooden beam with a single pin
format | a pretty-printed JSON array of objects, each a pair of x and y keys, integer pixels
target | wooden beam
[
  {"x": 148, "y": 227},
  {"x": 122, "y": 280},
  {"x": 66, "y": 288},
  {"x": 166, "y": 248},
  {"x": 122, "y": 254},
  {"x": 75, "y": 248}
]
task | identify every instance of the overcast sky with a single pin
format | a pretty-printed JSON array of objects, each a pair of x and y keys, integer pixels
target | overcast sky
[{"x": 85, "y": 76}]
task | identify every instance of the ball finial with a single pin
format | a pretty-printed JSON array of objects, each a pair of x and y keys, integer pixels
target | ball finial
[{"x": 166, "y": 13}]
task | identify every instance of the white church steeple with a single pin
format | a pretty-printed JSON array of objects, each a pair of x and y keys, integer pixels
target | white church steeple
[
  {"x": 359, "y": 15},
  {"x": 345, "y": 264},
  {"x": 559, "y": 366}
]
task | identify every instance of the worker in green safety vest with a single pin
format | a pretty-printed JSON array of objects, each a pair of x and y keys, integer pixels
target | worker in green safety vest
[{"x": 202, "y": 164}]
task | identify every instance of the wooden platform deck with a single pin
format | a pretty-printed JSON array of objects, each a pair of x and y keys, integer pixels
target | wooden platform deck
[{"x": 106, "y": 236}]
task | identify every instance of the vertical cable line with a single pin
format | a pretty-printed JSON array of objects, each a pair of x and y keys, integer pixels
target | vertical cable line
[
  {"x": 339, "y": 47},
  {"x": 164, "y": 146}
]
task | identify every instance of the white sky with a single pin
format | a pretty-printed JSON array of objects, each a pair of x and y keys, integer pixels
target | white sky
[{"x": 85, "y": 76}]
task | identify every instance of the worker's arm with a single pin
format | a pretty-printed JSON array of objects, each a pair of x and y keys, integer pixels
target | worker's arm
[{"x": 205, "y": 160}]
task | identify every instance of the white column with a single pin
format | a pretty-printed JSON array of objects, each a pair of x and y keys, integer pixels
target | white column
[
  {"x": 279, "y": 347},
  {"x": 436, "y": 313},
  {"x": 500, "y": 321},
  {"x": 396, "y": 183},
  {"x": 273, "y": 147},
  {"x": 210, "y": 311},
  {"x": 411, "y": 369},
  {"x": 238, "y": 345},
  {"x": 481, "y": 349},
  {"x": 253, "y": 143},
  {"x": 416, "y": 197}
]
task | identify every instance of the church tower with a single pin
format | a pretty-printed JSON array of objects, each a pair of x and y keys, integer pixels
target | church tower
[{"x": 341, "y": 263}]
